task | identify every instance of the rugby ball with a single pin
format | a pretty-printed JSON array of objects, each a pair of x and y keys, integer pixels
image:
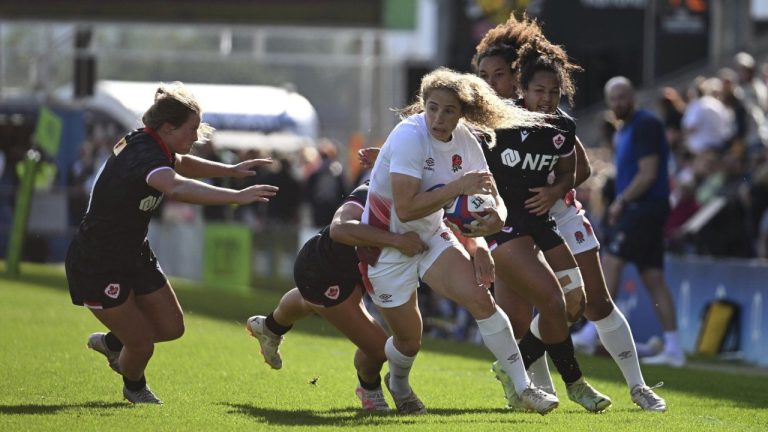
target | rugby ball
[{"x": 463, "y": 209}]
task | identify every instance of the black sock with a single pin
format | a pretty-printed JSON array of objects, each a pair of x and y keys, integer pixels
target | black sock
[
  {"x": 113, "y": 343},
  {"x": 564, "y": 358},
  {"x": 531, "y": 348},
  {"x": 135, "y": 385},
  {"x": 275, "y": 327},
  {"x": 370, "y": 386}
]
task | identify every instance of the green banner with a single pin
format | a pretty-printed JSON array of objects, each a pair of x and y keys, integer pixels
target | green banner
[
  {"x": 21, "y": 212},
  {"x": 227, "y": 257},
  {"x": 48, "y": 131}
]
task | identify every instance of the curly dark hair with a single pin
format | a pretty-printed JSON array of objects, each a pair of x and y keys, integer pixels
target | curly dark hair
[
  {"x": 505, "y": 39},
  {"x": 539, "y": 54}
]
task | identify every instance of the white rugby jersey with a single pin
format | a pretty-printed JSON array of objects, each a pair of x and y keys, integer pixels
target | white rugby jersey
[{"x": 412, "y": 151}]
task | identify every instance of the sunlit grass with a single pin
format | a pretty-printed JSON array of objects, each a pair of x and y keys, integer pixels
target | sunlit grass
[{"x": 214, "y": 378}]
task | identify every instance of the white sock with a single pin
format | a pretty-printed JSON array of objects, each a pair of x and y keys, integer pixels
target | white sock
[
  {"x": 498, "y": 337},
  {"x": 617, "y": 339},
  {"x": 539, "y": 370},
  {"x": 671, "y": 343},
  {"x": 399, "y": 369}
]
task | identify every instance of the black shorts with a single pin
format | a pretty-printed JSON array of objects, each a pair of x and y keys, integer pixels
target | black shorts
[
  {"x": 98, "y": 285},
  {"x": 326, "y": 294},
  {"x": 638, "y": 237},
  {"x": 543, "y": 231}
]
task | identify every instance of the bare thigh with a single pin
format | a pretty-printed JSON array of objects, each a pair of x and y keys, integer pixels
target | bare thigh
[
  {"x": 162, "y": 309},
  {"x": 128, "y": 323},
  {"x": 453, "y": 276}
]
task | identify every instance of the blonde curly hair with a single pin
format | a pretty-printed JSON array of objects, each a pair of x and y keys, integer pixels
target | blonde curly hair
[
  {"x": 481, "y": 108},
  {"x": 173, "y": 104}
]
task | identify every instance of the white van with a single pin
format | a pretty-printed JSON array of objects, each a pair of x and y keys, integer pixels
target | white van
[{"x": 245, "y": 116}]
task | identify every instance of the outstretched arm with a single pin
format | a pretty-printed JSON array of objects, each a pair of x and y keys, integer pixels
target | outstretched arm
[
  {"x": 180, "y": 188},
  {"x": 195, "y": 167}
]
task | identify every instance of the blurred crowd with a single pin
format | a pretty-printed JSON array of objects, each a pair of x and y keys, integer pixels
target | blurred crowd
[
  {"x": 718, "y": 136},
  {"x": 313, "y": 175},
  {"x": 716, "y": 127}
]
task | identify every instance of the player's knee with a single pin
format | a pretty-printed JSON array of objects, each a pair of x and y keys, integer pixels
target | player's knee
[
  {"x": 572, "y": 287},
  {"x": 171, "y": 331},
  {"x": 551, "y": 303},
  {"x": 598, "y": 308},
  {"x": 480, "y": 304},
  {"x": 176, "y": 331},
  {"x": 519, "y": 326},
  {"x": 575, "y": 303},
  {"x": 409, "y": 347}
]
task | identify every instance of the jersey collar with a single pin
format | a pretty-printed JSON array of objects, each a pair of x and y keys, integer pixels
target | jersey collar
[{"x": 160, "y": 142}]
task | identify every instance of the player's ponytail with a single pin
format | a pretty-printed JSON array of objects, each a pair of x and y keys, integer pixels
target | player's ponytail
[{"x": 173, "y": 104}]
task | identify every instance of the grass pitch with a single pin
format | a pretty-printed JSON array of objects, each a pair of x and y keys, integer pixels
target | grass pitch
[{"x": 214, "y": 378}]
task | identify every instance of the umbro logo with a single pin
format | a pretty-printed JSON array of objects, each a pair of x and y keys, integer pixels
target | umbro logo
[
  {"x": 385, "y": 298},
  {"x": 429, "y": 164},
  {"x": 625, "y": 355},
  {"x": 513, "y": 358}
]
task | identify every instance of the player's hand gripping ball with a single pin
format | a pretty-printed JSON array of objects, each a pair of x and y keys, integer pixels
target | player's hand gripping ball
[{"x": 463, "y": 209}]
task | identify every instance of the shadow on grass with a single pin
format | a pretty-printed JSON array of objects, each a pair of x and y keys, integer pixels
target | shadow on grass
[
  {"x": 352, "y": 417},
  {"x": 229, "y": 306},
  {"x": 35, "y": 409}
]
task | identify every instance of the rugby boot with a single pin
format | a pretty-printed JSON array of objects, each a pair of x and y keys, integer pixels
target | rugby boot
[{"x": 269, "y": 342}]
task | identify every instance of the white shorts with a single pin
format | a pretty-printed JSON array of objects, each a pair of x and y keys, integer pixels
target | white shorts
[
  {"x": 393, "y": 283},
  {"x": 575, "y": 229}
]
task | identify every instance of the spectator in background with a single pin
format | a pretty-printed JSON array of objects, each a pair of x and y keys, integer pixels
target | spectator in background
[
  {"x": 755, "y": 90},
  {"x": 731, "y": 96},
  {"x": 759, "y": 204},
  {"x": 251, "y": 215},
  {"x": 77, "y": 178},
  {"x": 755, "y": 98},
  {"x": 207, "y": 151},
  {"x": 284, "y": 207},
  {"x": 728, "y": 232},
  {"x": 640, "y": 209},
  {"x": 706, "y": 123},
  {"x": 672, "y": 107},
  {"x": 326, "y": 187}
]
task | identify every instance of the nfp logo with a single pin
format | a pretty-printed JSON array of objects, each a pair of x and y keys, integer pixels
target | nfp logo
[
  {"x": 533, "y": 162},
  {"x": 150, "y": 203}
]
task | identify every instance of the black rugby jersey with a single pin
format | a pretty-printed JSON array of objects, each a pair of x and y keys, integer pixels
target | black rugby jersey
[
  {"x": 121, "y": 204},
  {"x": 523, "y": 158},
  {"x": 324, "y": 260}
]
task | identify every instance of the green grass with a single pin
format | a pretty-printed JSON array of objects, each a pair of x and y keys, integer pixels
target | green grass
[{"x": 214, "y": 378}]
